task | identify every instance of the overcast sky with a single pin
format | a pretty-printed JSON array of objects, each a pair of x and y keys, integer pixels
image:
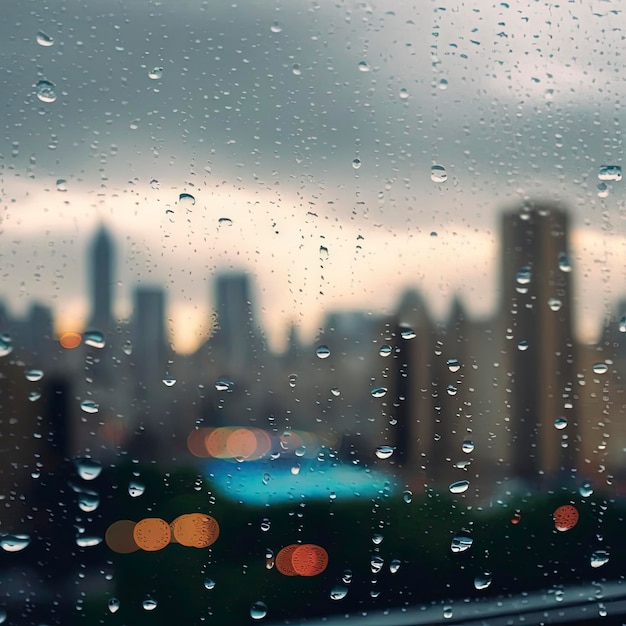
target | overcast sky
[{"x": 259, "y": 110}]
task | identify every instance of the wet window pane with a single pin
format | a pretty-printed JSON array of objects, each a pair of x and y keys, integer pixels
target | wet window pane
[{"x": 312, "y": 310}]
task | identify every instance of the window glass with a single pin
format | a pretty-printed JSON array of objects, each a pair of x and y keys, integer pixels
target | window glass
[{"x": 311, "y": 309}]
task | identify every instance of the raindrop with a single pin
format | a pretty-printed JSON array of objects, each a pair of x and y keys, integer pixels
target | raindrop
[
  {"x": 276, "y": 27},
  {"x": 408, "y": 333},
  {"x": 376, "y": 563},
  {"x": 599, "y": 558},
  {"x": 322, "y": 352},
  {"x": 34, "y": 375},
  {"x": 87, "y": 541},
  {"x": 377, "y": 539},
  {"x": 603, "y": 190},
  {"x": 621, "y": 325},
  {"x": 292, "y": 380},
  {"x": 378, "y": 392},
  {"x": 44, "y": 40},
  {"x": 225, "y": 221},
  {"x": 564, "y": 264},
  {"x": 460, "y": 486},
  {"x": 385, "y": 350},
  {"x": 5, "y": 345},
  {"x": 45, "y": 91},
  {"x": 169, "y": 381},
  {"x": 600, "y": 368},
  {"x": 295, "y": 470},
  {"x": 522, "y": 346},
  {"x": 363, "y": 66},
  {"x": 33, "y": 396},
  {"x": 443, "y": 84},
  {"x": 468, "y": 446},
  {"x": 407, "y": 496},
  {"x": 94, "y": 338},
  {"x": 155, "y": 73},
  {"x": 447, "y": 612},
  {"x": 258, "y": 610},
  {"x": 452, "y": 390},
  {"x": 338, "y": 592},
  {"x": 223, "y": 385},
  {"x": 517, "y": 516},
  {"x": 3, "y": 616},
  {"x": 61, "y": 184},
  {"x": 454, "y": 365},
  {"x": 524, "y": 276},
  {"x": 585, "y": 490},
  {"x": 88, "y": 501},
  {"x": 461, "y": 543},
  {"x": 136, "y": 489},
  {"x": 186, "y": 200},
  {"x": 88, "y": 469},
  {"x": 209, "y": 584},
  {"x": 612, "y": 173},
  {"x": 113, "y": 605},
  {"x": 404, "y": 94},
  {"x": 14, "y": 543},
  {"x": 560, "y": 423},
  {"x": 483, "y": 580},
  {"x": 265, "y": 524},
  {"x": 356, "y": 164},
  {"x": 127, "y": 348},
  {"x": 347, "y": 576},
  {"x": 89, "y": 406},
  {"x": 438, "y": 174},
  {"x": 394, "y": 566},
  {"x": 266, "y": 478},
  {"x": 295, "y": 70},
  {"x": 335, "y": 391},
  {"x": 149, "y": 604},
  {"x": 554, "y": 304},
  {"x": 384, "y": 452}
]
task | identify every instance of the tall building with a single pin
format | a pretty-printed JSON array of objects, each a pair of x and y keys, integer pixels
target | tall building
[
  {"x": 101, "y": 281},
  {"x": 539, "y": 350}
]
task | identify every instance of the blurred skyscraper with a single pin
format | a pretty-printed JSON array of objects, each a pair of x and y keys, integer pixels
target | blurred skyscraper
[{"x": 101, "y": 280}]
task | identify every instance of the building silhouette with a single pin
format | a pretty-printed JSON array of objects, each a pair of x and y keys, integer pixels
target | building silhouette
[{"x": 101, "y": 281}]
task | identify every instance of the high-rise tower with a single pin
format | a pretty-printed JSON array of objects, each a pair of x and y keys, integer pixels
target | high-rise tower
[
  {"x": 539, "y": 349},
  {"x": 101, "y": 281}
]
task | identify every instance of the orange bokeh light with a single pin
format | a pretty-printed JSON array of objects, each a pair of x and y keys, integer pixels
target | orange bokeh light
[
  {"x": 565, "y": 517},
  {"x": 152, "y": 534},
  {"x": 70, "y": 340},
  {"x": 306, "y": 559},
  {"x": 119, "y": 537},
  {"x": 196, "y": 442},
  {"x": 195, "y": 530}
]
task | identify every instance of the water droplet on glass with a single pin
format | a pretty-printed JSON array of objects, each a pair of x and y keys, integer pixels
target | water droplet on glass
[
  {"x": 517, "y": 516},
  {"x": 622, "y": 324},
  {"x": 186, "y": 200},
  {"x": 87, "y": 541},
  {"x": 276, "y": 27},
  {"x": 136, "y": 489},
  {"x": 404, "y": 94},
  {"x": 356, "y": 164},
  {"x": 88, "y": 469},
  {"x": 149, "y": 604},
  {"x": 438, "y": 174},
  {"x": 447, "y": 612},
  {"x": 61, "y": 184},
  {"x": 6, "y": 347},
  {"x": 603, "y": 190},
  {"x": 223, "y": 385},
  {"x": 564, "y": 264},
  {"x": 33, "y": 375},
  {"x": 89, "y": 406},
  {"x": 461, "y": 543},
  {"x": 225, "y": 221},
  {"x": 155, "y": 73},
  {"x": 338, "y": 592},
  {"x": 600, "y": 368},
  {"x": 524, "y": 276},
  {"x": 266, "y": 478},
  {"x": 384, "y": 452},
  {"x": 454, "y": 365},
  {"x": 363, "y": 66},
  {"x": 113, "y": 605},
  {"x": 378, "y": 392},
  {"x": 408, "y": 333},
  {"x": 468, "y": 446},
  {"x": 385, "y": 350},
  {"x": 33, "y": 396},
  {"x": 599, "y": 558},
  {"x": 612, "y": 173},
  {"x": 322, "y": 352},
  {"x": 585, "y": 490},
  {"x": 169, "y": 381},
  {"x": 88, "y": 501},
  {"x": 295, "y": 469},
  {"x": 94, "y": 338},
  {"x": 554, "y": 304},
  {"x": 377, "y": 539},
  {"x": 460, "y": 486},
  {"x": 14, "y": 542},
  {"x": 265, "y": 524},
  {"x": 347, "y": 576},
  {"x": 394, "y": 566},
  {"x": 292, "y": 380},
  {"x": 443, "y": 84},
  {"x": 45, "y": 91},
  {"x": 483, "y": 580},
  {"x": 335, "y": 391},
  {"x": 3, "y": 616},
  {"x": 296, "y": 70},
  {"x": 258, "y": 610},
  {"x": 44, "y": 40},
  {"x": 560, "y": 423},
  {"x": 376, "y": 563},
  {"x": 407, "y": 496},
  {"x": 522, "y": 346},
  {"x": 209, "y": 584}
]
